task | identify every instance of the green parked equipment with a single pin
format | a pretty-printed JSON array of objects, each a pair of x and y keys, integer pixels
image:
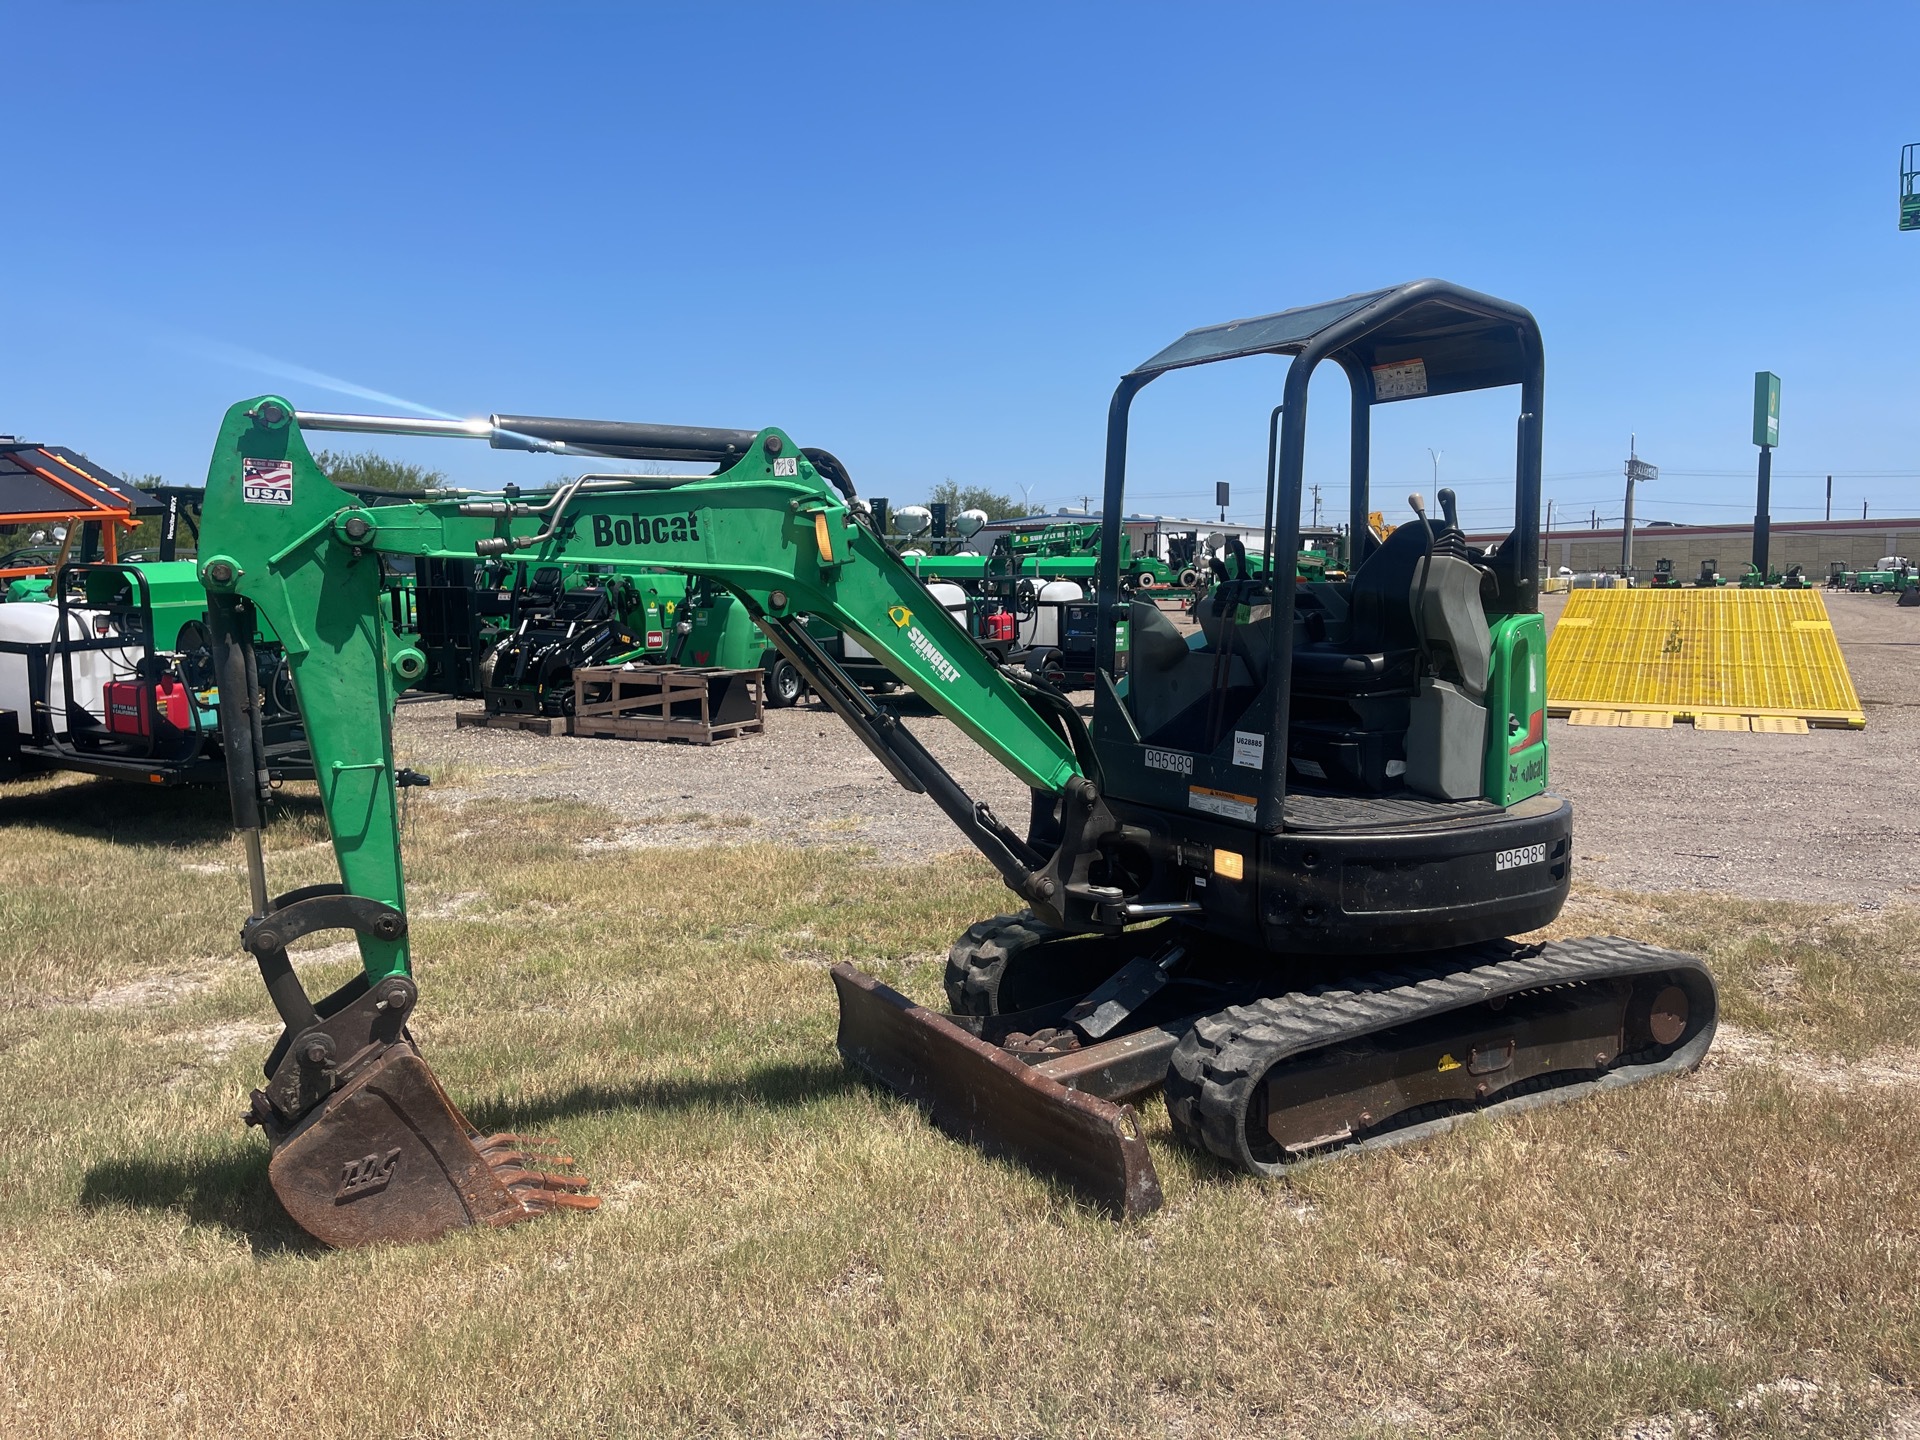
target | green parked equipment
[
  {"x": 563, "y": 618},
  {"x": 1308, "y": 962},
  {"x": 716, "y": 628},
  {"x": 1893, "y": 573},
  {"x": 111, "y": 675}
]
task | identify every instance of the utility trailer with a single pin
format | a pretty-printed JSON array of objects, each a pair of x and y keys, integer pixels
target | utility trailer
[{"x": 113, "y": 676}]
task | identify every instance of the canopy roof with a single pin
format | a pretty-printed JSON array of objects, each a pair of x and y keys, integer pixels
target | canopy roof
[
  {"x": 1426, "y": 337},
  {"x": 52, "y": 482}
]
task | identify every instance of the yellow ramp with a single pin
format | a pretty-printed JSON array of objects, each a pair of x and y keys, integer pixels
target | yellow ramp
[{"x": 1711, "y": 656}]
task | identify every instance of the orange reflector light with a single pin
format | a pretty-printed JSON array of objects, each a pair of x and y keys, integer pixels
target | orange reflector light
[{"x": 1229, "y": 864}]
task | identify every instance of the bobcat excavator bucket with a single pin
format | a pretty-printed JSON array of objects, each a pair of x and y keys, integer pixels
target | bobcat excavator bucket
[{"x": 367, "y": 1148}]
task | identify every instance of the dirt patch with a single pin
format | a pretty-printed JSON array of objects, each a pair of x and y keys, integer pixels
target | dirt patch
[
  {"x": 1817, "y": 817},
  {"x": 151, "y": 989},
  {"x": 1734, "y": 1046},
  {"x": 216, "y": 1042}
]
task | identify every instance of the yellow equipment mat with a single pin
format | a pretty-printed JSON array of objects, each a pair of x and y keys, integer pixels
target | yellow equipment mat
[{"x": 1749, "y": 660}]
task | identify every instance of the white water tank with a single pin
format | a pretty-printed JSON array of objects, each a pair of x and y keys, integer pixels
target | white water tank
[
  {"x": 31, "y": 622},
  {"x": 1043, "y": 626},
  {"x": 952, "y": 599},
  {"x": 912, "y": 520},
  {"x": 968, "y": 522}
]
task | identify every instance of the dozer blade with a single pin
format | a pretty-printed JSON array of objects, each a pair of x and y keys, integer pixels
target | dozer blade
[
  {"x": 389, "y": 1159},
  {"x": 984, "y": 1096}
]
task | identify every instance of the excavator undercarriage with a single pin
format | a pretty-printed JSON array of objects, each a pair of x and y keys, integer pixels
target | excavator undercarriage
[{"x": 1267, "y": 1080}]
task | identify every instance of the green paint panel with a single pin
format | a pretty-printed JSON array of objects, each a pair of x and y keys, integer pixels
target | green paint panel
[{"x": 1517, "y": 710}]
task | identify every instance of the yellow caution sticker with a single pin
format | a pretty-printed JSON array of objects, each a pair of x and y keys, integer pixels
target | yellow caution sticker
[{"x": 1447, "y": 1062}]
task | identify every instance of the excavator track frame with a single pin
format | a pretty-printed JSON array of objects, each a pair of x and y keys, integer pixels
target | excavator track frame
[{"x": 1022, "y": 1086}]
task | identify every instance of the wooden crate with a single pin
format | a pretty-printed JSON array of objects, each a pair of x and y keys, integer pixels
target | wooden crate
[
  {"x": 533, "y": 724},
  {"x": 698, "y": 704}
]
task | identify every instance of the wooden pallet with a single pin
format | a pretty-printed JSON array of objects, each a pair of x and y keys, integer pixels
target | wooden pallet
[
  {"x": 697, "y": 704},
  {"x": 532, "y": 724}
]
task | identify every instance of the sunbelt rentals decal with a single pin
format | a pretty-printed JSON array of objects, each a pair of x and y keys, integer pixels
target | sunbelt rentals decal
[{"x": 902, "y": 617}]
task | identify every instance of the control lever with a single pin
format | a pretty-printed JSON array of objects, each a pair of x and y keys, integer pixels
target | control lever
[
  {"x": 1426, "y": 566},
  {"x": 1449, "y": 509}
]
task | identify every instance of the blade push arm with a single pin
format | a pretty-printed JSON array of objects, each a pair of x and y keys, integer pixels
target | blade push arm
[{"x": 279, "y": 536}]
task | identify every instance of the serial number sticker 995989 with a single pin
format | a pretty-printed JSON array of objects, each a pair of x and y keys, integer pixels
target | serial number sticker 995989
[{"x": 1521, "y": 855}]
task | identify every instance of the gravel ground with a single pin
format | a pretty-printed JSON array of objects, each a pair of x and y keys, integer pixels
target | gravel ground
[
  {"x": 1820, "y": 817},
  {"x": 1826, "y": 816}
]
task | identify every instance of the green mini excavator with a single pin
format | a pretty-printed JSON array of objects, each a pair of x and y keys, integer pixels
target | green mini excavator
[{"x": 1278, "y": 872}]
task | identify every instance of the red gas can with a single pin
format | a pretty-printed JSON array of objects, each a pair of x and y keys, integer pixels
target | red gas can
[
  {"x": 1001, "y": 625},
  {"x": 134, "y": 705}
]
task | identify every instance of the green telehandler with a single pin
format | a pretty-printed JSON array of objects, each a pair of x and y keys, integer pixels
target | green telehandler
[{"x": 1277, "y": 873}]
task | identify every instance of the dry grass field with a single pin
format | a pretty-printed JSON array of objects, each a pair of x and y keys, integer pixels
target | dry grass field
[{"x": 786, "y": 1251}]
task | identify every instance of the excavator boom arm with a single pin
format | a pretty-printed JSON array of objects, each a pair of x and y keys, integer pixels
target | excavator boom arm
[{"x": 279, "y": 537}]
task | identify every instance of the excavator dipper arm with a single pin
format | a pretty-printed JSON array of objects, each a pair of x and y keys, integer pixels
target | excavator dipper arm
[{"x": 367, "y": 1147}]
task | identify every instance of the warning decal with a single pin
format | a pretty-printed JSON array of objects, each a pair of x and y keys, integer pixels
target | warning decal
[
  {"x": 1222, "y": 802},
  {"x": 1400, "y": 380},
  {"x": 266, "y": 482}
]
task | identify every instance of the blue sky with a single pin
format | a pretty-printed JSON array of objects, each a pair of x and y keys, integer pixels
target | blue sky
[{"x": 930, "y": 239}]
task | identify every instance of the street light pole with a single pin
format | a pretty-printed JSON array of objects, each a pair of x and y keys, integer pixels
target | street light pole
[{"x": 1637, "y": 469}]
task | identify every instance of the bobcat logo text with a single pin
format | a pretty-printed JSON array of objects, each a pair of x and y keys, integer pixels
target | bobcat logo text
[{"x": 639, "y": 530}]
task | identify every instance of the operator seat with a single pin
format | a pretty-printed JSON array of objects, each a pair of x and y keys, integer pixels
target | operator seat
[{"x": 1401, "y": 697}]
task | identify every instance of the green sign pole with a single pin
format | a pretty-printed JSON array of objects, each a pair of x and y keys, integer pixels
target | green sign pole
[{"x": 1766, "y": 434}]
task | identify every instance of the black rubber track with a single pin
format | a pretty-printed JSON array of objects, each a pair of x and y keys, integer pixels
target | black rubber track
[
  {"x": 1016, "y": 962},
  {"x": 978, "y": 961},
  {"x": 1219, "y": 1064}
]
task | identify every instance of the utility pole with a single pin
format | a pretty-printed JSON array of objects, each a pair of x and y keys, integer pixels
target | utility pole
[
  {"x": 1829, "y": 497},
  {"x": 1436, "y": 454},
  {"x": 1637, "y": 470},
  {"x": 1316, "y": 507}
]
